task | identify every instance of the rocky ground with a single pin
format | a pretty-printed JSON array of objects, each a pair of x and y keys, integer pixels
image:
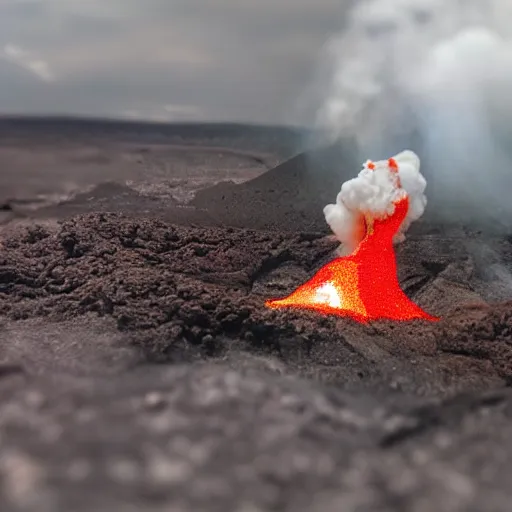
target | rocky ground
[{"x": 139, "y": 369}]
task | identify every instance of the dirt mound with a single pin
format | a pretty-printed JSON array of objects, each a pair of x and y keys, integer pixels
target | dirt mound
[{"x": 290, "y": 196}]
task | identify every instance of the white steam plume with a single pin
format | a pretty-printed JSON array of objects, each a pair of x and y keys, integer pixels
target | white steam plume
[
  {"x": 434, "y": 75},
  {"x": 373, "y": 194}
]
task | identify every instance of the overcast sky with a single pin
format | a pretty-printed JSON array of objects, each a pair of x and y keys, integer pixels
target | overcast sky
[{"x": 241, "y": 60}]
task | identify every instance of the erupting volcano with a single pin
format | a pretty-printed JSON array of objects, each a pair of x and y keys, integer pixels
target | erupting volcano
[{"x": 371, "y": 213}]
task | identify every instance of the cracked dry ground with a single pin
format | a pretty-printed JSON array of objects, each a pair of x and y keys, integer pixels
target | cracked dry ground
[{"x": 140, "y": 371}]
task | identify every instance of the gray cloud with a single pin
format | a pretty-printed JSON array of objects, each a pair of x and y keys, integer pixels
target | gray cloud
[{"x": 225, "y": 60}]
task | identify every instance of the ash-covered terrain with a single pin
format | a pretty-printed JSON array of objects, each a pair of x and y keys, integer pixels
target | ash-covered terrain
[{"x": 140, "y": 369}]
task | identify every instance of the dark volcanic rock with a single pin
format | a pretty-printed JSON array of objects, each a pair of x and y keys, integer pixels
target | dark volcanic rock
[
  {"x": 185, "y": 293},
  {"x": 483, "y": 332}
]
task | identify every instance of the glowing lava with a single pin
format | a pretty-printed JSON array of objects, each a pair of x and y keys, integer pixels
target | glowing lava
[{"x": 364, "y": 285}]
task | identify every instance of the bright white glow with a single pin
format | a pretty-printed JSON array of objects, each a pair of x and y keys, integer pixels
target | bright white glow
[{"x": 328, "y": 295}]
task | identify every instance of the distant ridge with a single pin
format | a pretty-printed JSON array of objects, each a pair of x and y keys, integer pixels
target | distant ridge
[
  {"x": 283, "y": 140},
  {"x": 32, "y": 121}
]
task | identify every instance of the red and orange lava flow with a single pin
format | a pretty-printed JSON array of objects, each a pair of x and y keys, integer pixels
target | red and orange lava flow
[{"x": 364, "y": 285}]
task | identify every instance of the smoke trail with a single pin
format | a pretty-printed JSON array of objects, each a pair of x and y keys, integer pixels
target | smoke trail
[{"x": 434, "y": 76}]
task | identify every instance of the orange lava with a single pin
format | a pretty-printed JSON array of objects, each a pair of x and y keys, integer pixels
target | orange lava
[{"x": 364, "y": 285}]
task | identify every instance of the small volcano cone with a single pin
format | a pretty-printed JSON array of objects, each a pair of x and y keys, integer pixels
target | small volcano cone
[{"x": 364, "y": 285}]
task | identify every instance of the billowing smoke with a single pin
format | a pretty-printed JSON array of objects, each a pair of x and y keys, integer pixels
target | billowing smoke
[
  {"x": 373, "y": 194},
  {"x": 435, "y": 76}
]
